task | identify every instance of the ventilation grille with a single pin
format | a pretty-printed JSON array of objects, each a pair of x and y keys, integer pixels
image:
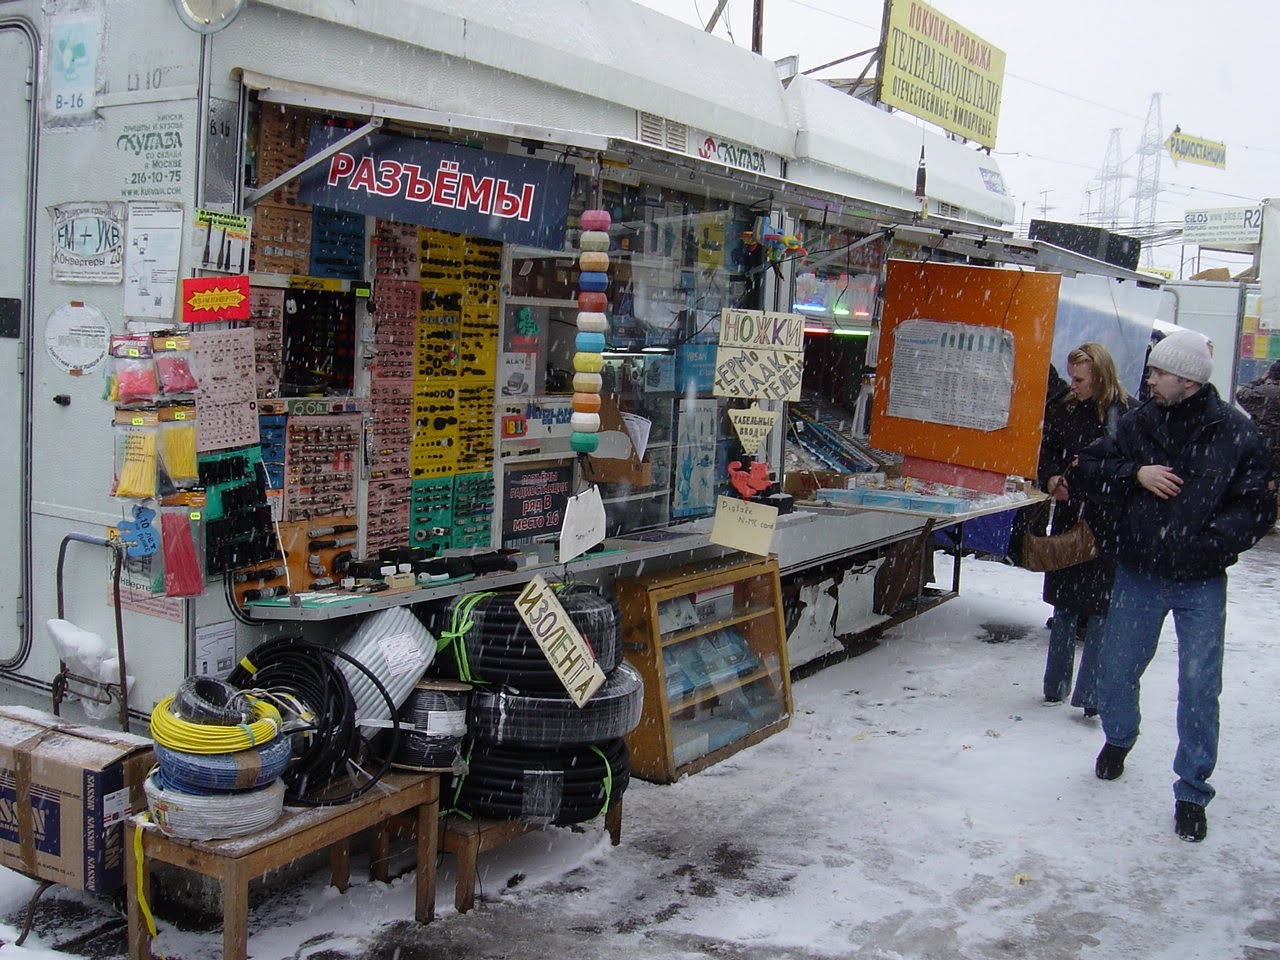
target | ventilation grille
[{"x": 657, "y": 131}]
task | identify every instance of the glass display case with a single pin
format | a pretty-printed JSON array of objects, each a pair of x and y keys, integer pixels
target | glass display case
[{"x": 710, "y": 644}]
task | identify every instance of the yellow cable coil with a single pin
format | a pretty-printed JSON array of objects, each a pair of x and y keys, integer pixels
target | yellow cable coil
[{"x": 170, "y": 730}]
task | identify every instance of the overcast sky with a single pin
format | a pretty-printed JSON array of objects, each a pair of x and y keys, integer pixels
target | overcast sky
[{"x": 1216, "y": 65}]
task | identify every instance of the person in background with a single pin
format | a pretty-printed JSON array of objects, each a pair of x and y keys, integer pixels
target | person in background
[
  {"x": 1195, "y": 481},
  {"x": 1261, "y": 400},
  {"x": 1079, "y": 594}
]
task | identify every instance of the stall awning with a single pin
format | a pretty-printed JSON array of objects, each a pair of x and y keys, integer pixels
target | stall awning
[
  {"x": 854, "y": 149},
  {"x": 619, "y": 52},
  {"x": 1035, "y": 254}
]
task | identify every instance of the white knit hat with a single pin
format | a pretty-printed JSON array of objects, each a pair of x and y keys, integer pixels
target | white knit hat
[{"x": 1184, "y": 353}]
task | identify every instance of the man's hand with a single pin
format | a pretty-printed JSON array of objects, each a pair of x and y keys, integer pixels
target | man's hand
[
  {"x": 1057, "y": 488},
  {"x": 1160, "y": 480}
]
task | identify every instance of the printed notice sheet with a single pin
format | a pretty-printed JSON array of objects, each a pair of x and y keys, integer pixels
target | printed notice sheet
[{"x": 955, "y": 373}]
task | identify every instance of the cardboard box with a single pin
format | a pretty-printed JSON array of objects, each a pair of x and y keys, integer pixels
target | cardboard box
[{"x": 65, "y": 790}]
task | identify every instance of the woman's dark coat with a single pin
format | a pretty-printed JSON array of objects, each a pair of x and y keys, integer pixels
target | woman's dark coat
[{"x": 1069, "y": 427}]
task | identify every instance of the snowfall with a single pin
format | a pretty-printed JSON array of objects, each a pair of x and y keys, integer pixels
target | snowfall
[{"x": 923, "y": 803}]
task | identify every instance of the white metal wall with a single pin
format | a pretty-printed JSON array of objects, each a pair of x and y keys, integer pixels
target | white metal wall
[{"x": 17, "y": 60}]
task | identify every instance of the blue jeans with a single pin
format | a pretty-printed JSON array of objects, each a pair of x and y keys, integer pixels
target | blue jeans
[
  {"x": 1062, "y": 655},
  {"x": 1139, "y": 604}
]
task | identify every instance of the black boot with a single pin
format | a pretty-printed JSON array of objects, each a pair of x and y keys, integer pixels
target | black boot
[
  {"x": 1090, "y": 712},
  {"x": 1189, "y": 821},
  {"x": 1110, "y": 763}
]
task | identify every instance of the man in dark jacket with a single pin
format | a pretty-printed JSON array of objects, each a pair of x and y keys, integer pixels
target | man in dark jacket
[{"x": 1195, "y": 480}]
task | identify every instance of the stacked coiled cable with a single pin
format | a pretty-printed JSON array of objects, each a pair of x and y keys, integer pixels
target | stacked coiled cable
[
  {"x": 328, "y": 745},
  {"x": 219, "y": 755}
]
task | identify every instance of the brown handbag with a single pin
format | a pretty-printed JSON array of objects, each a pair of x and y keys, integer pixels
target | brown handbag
[{"x": 1043, "y": 554}]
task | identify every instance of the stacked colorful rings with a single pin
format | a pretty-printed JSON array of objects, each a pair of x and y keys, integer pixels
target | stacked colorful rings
[{"x": 593, "y": 281}]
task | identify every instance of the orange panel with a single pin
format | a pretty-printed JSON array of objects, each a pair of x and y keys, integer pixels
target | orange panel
[{"x": 1021, "y": 301}]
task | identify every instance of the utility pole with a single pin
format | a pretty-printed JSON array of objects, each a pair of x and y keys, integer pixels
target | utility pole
[
  {"x": 757, "y": 27},
  {"x": 1146, "y": 196},
  {"x": 1044, "y": 203}
]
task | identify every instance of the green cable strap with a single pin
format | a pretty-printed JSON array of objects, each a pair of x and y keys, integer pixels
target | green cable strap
[
  {"x": 457, "y": 787},
  {"x": 608, "y": 780},
  {"x": 460, "y": 626}
]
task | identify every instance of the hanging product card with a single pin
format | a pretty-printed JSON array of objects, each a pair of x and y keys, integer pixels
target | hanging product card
[
  {"x": 760, "y": 356},
  {"x": 743, "y": 525},
  {"x": 88, "y": 242},
  {"x": 205, "y": 299},
  {"x": 583, "y": 524},
  {"x": 568, "y": 653},
  {"x": 220, "y": 241},
  {"x": 954, "y": 373},
  {"x": 76, "y": 337},
  {"x": 222, "y": 363},
  {"x": 153, "y": 249},
  {"x": 753, "y": 426},
  {"x": 518, "y": 374}
]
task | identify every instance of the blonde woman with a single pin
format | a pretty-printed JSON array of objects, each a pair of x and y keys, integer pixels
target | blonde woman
[{"x": 1080, "y": 594}]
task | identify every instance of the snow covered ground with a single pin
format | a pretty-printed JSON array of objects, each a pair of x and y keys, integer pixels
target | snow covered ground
[{"x": 924, "y": 803}]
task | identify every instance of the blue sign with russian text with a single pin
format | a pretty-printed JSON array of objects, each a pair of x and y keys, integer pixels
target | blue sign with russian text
[{"x": 442, "y": 185}]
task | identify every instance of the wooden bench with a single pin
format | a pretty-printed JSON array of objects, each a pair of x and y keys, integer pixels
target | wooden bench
[
  {"x": 299, "y": 832},
  {"x": 467, "y": 839}
]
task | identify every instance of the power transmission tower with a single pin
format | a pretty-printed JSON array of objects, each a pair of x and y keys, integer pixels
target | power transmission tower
[
  {"x": 1147, "y": 193},
  {"x": 1110, "y": 182}
]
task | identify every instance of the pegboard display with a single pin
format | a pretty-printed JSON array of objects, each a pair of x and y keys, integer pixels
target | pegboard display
[
  {"x": 321, "y": 464},
  {"x": 395, "y": 326},
  {"x": 319, "y": 342},
  {"x": 472, "y": 510},
  {"x": 239, "y": 528},
  {"x": 282, "y": 145},
  {"x": 475, "y": 426},
  {"x": 395, "y": 251},
  {"x": 266, "y": 314},
  {"x": 431, "y": 517},
  {"x": 281, "y": 239},
  {"x": 314, "y": 553},
  {"x": 223, "y": 364},
  {"x": 271, "y": 434},
  {"x": 388, "y": 427},
  {"x": 337, "y": 244}
]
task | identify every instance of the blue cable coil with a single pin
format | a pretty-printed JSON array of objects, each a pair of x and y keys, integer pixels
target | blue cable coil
[{"x": 223, "y": 772}]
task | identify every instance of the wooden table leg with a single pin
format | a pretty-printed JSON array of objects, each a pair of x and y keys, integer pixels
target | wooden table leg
[
  {"x": 464, "y": 897},
  {"x": 340, "y": 864},
  {"x": 139, "y": 935},
  {"x": 380, "y": 853},
  {"x": 428, "y": 847},
  {"x": 235, "y": 914},
  {"x": 613, "y": 823}
]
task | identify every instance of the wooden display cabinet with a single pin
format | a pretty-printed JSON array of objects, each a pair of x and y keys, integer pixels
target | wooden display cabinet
[{"x": 709, "y": 641}]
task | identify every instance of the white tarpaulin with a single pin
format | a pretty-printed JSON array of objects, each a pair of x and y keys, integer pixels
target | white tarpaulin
[{"x": 1114, "y": 313}]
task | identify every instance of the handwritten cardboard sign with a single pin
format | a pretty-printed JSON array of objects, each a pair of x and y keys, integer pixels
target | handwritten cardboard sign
[
  {"x": 760, "y": 355},
  {"x": 743, "y": 525},
  {"x": 568, "y": 653},
  {"x": 753, "y": 425}
]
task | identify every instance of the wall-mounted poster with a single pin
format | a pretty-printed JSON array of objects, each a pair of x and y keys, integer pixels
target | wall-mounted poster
[
  {"x": 88, "y": 242},
  {"x": 695, "y": 482},
  {"x": 533, "y": 501},
  {"x": 1012, "y": 309}
]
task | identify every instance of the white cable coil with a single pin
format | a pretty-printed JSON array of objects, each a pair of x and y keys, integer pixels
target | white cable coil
[
  {"x": 397, "y": 649},
  {"x": 218, "y": 816}
]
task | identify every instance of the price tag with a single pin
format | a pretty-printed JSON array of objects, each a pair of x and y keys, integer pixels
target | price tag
[
  {"x": 138, "y": 422},
  {"x": 132, "y": 351},
  {"x": 194, "y": 514},
  {"x": 180, "y": 415}
]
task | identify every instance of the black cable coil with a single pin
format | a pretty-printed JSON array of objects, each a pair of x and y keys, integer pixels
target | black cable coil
[
  {"x": 210, "y": 701},
  {"x": 498, "y": 647},
  {"x": 290, "y": 666},
  {"x": 546, "y": 720},
  {"x": 545, "y": 786},
  {"x": 435, "y": 722}
]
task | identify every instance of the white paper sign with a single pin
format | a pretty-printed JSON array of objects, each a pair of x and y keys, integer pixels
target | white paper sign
[
  {"x": 153, "y": 249},
  {"x": 568, "y": 653},
  {"x": 743, "y": 525},
  {"x": 955, "y": 373},
  {"x": 583, "y": 524},
  {"x": 76, "y": 337},
  {"x": 753, "y": 425},
  {"x": 88, "y": 242},
  {"x": 638, "y": 428}
]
